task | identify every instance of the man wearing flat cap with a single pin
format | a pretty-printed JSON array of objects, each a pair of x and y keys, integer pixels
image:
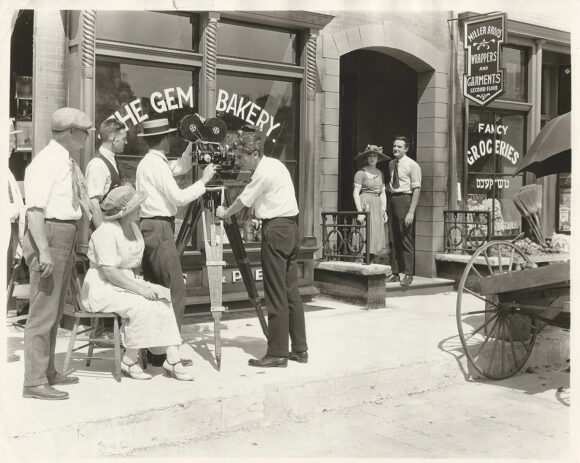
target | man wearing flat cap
[
  {"x": 154, "y": 176},
  {"x": 56, "y": 198}
]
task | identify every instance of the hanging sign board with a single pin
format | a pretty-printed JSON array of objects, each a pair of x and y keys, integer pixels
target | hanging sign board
[{"x": 483, "y": 80}]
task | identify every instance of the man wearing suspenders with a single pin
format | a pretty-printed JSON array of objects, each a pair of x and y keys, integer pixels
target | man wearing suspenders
[{"x": 102, "y": 171}]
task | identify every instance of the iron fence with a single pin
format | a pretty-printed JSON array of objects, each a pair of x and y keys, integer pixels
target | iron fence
[
  {"x": 344, "y": 237},
  {"x": 465, "y": 231}
]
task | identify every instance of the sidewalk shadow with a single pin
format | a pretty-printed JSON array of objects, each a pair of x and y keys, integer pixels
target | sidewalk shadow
[
  {"x": 452, "y": 346},
  {"x": 202, "y": 340}
]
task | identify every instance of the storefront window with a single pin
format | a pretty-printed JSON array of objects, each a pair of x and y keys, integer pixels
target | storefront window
[
  {"x": 496, "y": 143},
  {"x": 171, "y": 30},
  {"x": 563, "y": 218},
  {"x": 277, "y": 105},
  {"x": 260, "y": 43},
  {"x": 514, "y": 62}
]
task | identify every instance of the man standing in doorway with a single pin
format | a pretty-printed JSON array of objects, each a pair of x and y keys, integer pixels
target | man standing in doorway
[
  {"x": 271, "y": 193},
  {"x": 403, "y": 194},
  {"x": 154, "y": 176}
]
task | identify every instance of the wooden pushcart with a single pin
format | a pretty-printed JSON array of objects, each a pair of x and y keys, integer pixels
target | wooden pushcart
[{"x": 503, "y": 301}]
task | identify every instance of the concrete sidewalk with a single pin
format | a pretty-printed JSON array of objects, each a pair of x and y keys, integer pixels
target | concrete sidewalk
[{"x": 355, "y": 356}]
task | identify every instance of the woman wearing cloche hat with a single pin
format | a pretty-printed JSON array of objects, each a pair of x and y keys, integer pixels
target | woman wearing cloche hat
[
  {"x": 369, "y": 195},
  {"x": 112, "y": 285}
]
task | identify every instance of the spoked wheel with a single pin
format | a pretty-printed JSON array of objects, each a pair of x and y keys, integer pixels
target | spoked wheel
[{"x": 496, "y": 337}]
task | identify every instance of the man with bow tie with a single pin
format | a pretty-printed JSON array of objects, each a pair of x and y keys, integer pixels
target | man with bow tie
[
  {"x": 56, "y": 198},
  {"x": 403, "y": 194}
]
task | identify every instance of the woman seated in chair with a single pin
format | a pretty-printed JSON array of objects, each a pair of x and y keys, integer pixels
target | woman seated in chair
[{"x": 112, "y": 285}]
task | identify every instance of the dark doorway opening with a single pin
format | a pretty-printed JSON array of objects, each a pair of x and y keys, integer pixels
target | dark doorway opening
[{"x": 378, "y": 101}]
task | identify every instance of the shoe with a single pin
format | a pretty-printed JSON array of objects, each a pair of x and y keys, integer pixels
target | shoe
[
  {"x": 407, "y": 280},
  {"x": 156, "y": 360},
  {"x": 62, "y": 379},
  {"x": 127, "y": 369},
  {"x": 171, "y": 373},
  {"x": 393, "y": 277},
  {"x": 44, "y": 392},
  {"x": 268, "y": 361},
  {"x": 186, "y": 362},
  {"x": 300, "y": 357}
]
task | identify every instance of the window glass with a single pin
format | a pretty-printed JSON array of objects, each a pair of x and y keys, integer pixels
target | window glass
[
  {"x": 157, "y": 92},
  {"x": 244, "y": 41},
  {"x": 495, "y": 144},
  {"x": 564, "y": 202},
  {"x": 171, "y": 30},
  {"x": 514, "y": 60}
]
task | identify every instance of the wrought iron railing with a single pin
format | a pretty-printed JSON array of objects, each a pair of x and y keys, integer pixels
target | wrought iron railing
[
  {"x": 344, "y": 237},
  {"x": 465, "y": 231}
]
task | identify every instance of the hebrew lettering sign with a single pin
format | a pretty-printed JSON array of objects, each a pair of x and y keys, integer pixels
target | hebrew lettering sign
[{"x": 483, "y": 80}]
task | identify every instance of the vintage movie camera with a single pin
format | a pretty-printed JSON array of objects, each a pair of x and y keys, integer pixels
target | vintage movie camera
[{"x": 208, "y": 137}]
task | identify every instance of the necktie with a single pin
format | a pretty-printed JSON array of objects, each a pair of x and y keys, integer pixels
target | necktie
[
  {"x": 395, "y": 179},
  {"x": 80, "y": 196}
]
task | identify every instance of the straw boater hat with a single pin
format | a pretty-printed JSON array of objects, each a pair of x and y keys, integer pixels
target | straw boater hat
[
  {"x": 121, "y": 201},
  {"x": 156, "y": 127},
  {"x": 372, "y": 149}
]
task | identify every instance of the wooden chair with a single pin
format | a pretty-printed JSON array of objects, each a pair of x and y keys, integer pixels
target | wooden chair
[{"x": 79, "y": 313}]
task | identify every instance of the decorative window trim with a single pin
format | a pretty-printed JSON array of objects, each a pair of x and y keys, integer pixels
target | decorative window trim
[{"x": 226, "y": 63}]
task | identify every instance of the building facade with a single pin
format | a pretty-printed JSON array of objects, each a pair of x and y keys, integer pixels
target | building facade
[{"x": 321, "y": 86}]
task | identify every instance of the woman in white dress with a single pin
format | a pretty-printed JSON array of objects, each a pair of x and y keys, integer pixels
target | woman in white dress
[{"x": 112, "y": 285}]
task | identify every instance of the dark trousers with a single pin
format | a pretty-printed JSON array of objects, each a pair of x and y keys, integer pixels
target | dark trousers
[
  {"x": 401, "y": 236},
  {"x": 161, "y": 263},
  {"x": 47, "y": 296},
  {"x": 280, "y": 246}
]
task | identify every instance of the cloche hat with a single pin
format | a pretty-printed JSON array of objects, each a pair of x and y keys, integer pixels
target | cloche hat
[{"x": 121, "y": 201}]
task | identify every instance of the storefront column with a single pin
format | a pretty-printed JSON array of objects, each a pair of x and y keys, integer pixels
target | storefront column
[
  {"x": 208, "y": 69},
  {"x": 309, "y": 154},
  {"x": 87, "y": 103}
]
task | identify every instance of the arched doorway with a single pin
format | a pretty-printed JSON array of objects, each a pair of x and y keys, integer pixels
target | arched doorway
[{"x": 378, "y": 100}]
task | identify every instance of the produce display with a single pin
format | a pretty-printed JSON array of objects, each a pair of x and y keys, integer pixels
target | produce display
[{"x": 534, "y": 249}]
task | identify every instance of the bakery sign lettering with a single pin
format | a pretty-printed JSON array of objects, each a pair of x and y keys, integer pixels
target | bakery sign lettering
[{"x": 483, "y": 81}]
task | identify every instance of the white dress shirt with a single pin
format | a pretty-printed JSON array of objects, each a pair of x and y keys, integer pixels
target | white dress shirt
[
  {"x": 16, "y": 206},
  {"x": 98, "y": 175},
  {"x": 270, "y": 191},
  {"x": 155, "y": 177},
  {"x": 48, "y": 183},
  {"x": 409, "y": 175}
]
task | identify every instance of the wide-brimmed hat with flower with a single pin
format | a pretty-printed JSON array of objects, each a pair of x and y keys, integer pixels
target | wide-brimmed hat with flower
[
  {"x": 372, "y": 149},
  {"x": 121, "y": 201}
]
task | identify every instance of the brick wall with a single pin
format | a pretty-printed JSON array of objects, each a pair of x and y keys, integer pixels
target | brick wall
[{"x": 49, "y": 76}]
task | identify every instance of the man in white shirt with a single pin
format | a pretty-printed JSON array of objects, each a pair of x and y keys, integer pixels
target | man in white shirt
[
  {"x": 403, "y": 194},
  {"x": 271, "y": 193},
  {"x": 154, "y": 176},
  {"x": 56, "y": 198},
  {"x": 102, "y": 171}
]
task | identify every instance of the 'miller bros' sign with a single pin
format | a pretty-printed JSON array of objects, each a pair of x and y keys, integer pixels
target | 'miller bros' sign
[{"x": 483, "y": 81}]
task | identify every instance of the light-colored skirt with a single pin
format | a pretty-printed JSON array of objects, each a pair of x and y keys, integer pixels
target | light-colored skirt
[
  {"x": 145, "y": 323},
  {"x": 378, "y": 240}
]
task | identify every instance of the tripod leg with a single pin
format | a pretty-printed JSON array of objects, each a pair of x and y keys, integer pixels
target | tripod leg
[
  {"x": 233, "y": 232},
  {"x": 189, "y": 221}
]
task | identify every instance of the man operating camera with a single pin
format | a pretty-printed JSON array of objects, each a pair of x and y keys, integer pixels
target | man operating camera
[{"x": 271, "y": 193}]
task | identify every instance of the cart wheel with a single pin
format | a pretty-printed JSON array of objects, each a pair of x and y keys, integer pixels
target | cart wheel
[{"x": 497, "y": 338}]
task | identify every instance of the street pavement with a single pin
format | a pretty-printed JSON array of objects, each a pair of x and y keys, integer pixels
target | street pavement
[
  {"x": 522, "y": 417},
  {"x": 356, "y": 356}
]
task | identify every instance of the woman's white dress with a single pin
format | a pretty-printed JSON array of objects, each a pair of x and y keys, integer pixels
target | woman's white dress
[{"x": 145, "y": 323}]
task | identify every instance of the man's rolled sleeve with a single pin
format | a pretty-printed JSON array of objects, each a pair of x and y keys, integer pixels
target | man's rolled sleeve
[
  {"x": 38, "y": 183},
  {"x": 252, "y": 191},
  {"x": 97, "y": 174},
  {"x": 180, "y": 197},
  {"x": 183, "y": 164},
  {"x": 415, "y": 176}
]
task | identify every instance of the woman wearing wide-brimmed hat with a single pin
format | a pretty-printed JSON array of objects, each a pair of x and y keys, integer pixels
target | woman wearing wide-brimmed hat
[
  {"x": 369, "y": 195},
  {"x": 111, "y": 285}
]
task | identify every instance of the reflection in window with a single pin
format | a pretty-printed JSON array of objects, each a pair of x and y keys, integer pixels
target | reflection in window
[
  {"x": 514, "y": 60},
  {"x": 171, "y": 30},
  {"x": 495, "y": 144},
  {"x": 244, "y": 41}
]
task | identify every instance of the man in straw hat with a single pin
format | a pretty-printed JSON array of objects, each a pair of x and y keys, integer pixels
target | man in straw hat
[
  {"x": 271, "y": 193},
  {"x": 404, "y": 189},
  {"x": 154, "y": 176},
  {"x": 56, "y": 198}
]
